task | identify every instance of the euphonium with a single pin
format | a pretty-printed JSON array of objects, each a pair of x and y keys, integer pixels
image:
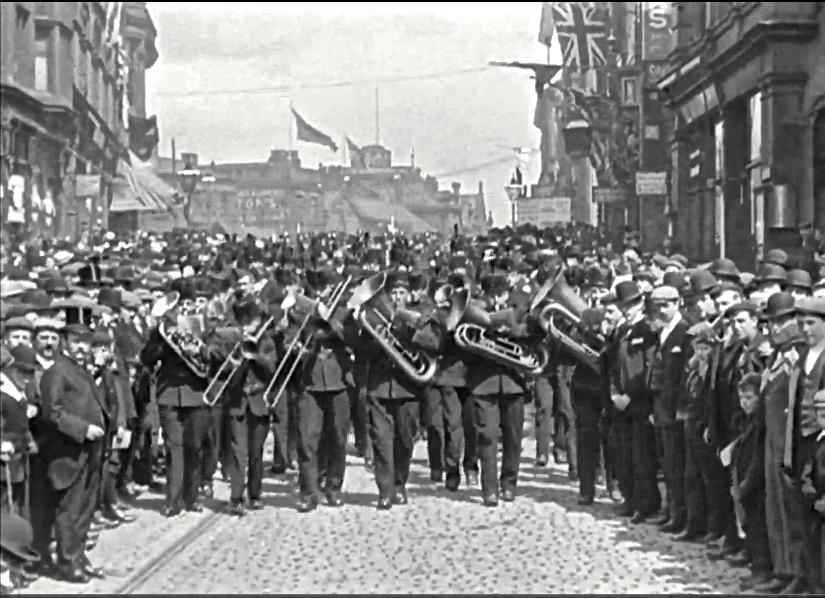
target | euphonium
[
  {"x": 377, "y": 316},
  {"x": 187, "y": 346},
  {"x": 555, "y": 300},
  {"x": 474, "y": 331}
]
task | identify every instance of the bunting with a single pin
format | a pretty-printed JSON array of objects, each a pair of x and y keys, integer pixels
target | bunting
[{"x": 548, "y": 25}]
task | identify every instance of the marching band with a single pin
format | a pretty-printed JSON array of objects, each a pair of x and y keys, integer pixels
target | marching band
[{"x": 218, "y": 340}]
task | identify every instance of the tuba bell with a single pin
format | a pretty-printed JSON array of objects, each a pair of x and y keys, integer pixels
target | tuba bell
[
  {"x": 473, "y": 328},
  {"x": 377, "y": 316},
  {"x": 186, "y": 345},
  {"x": 555, "y": 301}
]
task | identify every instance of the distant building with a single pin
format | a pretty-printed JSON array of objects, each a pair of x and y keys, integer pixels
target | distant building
[{"x": 282, "y": 195}]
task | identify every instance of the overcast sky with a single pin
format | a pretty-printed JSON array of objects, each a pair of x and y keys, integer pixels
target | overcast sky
[{"x": 429, "y": 60}]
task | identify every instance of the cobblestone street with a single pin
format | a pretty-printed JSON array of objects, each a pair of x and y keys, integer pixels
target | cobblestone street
[{"x": 440, "y": 542}]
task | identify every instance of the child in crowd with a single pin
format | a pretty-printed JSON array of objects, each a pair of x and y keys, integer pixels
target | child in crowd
[{"x": 748, "y": 475}]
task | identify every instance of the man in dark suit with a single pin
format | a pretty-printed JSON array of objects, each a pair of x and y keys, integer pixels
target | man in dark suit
[
  {"x": 184, "y": 416},
  {"x": 498, "y": 399},
  {"x": 445, "y": 434},
  {"x": 806, "y": 390},
  {"x": 394, "y": 408},
  {"x": 631, "y": 395},
  {"x": 667, "y": 378},
  {"x": 244, "y": 409},
  {"x": 66, "y": 472}
]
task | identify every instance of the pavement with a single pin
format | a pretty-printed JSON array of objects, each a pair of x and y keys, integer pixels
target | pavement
[{"x": 440, "y": 542}]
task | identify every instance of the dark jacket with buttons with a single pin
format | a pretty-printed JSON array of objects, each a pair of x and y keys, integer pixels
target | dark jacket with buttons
[
  {"x": 635, "y": 353},
  {"x": 667, "y": 373}
]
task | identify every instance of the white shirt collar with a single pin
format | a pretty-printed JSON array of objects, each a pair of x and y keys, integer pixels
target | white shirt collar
[
  {"x": 812, "y": 357},
  {"x": 670, "y": 326},
  {"x": 45, "y": 363}
]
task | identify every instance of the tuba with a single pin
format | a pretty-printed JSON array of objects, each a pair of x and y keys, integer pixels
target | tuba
[
  {"x": 377, "y": 315},
  {"x": 473, "y": 329},
  {"x": 555, "y": 300}
]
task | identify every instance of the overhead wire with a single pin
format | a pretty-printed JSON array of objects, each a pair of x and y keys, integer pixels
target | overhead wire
[{"x": 291, "y": 88}]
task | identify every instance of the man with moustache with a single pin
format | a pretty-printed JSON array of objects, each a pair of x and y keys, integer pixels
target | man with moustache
[{"x": 66, "y": 471}]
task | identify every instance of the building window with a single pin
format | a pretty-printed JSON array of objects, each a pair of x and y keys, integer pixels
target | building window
[
  {"x": 41, "y": 57},
  {"x": 755, "y": 126},
  {"x": 629, "y": 97}
]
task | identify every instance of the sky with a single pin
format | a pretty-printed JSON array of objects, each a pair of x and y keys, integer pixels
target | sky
[{"x": 227, "y": 72}]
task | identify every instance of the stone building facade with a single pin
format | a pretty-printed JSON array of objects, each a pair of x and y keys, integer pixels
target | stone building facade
[
  {"x": 746, "y": 83},
  {"x": 63, "y": 78}
]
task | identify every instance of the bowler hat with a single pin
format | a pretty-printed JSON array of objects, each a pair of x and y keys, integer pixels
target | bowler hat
[
  {"x": 24, "y": 358},
  {"x": 799, "y": 279},
  {"x": 702, "y": 282},
  {"x": 627, "y": 291},
  {"x": 16, "y": 537},
  {"x": 779, "y": 305},
  {"x": 725, "y": 269},
  {"x": 777, "y": 257},
  {"x": 110, "y": 298},
  {"x": 674, "y": 279},
  {"x": 770, "y": 272}
]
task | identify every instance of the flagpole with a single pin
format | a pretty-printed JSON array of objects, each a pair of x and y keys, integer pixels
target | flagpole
[
  {"x": 291, "y": 117},
  {"x": 377, "y": 122}
]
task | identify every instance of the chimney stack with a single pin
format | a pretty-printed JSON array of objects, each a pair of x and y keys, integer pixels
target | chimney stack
[{"x": 456, "y": 188}]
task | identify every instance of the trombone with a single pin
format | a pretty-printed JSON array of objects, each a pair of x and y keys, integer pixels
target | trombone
[
  {"x": 243, "y": 349},
  {"x": 336, "y": 295}
]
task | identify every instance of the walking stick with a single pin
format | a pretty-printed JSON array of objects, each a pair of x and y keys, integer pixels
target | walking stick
[{"x": 7, "y": 471}]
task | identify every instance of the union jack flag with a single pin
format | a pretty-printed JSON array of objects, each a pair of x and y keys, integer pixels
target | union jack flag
[{"x": 583, "y": 34}]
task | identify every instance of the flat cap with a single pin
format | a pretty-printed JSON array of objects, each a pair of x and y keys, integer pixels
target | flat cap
[
  {"x": 49, "y": 324},
  {"x": 664, "y": 294},
  {"x": 814, "y": 306}
]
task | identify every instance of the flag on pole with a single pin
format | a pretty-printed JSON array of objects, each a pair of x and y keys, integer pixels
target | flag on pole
[
  {"x": 308, "y": 133},
  {"x": 354, "y": 153},
  {"x": 548, "y": 24},
  {"x": 582, "y": 34}
]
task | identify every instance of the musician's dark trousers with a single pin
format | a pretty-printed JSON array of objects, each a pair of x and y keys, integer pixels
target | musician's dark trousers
[
  {"x": 126, "y": 458},
  {"x": 494, "y": 414},
  {"x": 212, "y": 453},
  {"x": 185, "y": 431},
  {"x": 68, "y": 511},
  {"x": 145, "y": 443},
  {"x": 470, "y": 461},
  {"x": 673, "y": 465},
  {"x": 564, "y": 417},
  {"x": 246, "y": 435},
  {"x": 284, "y": 430},
  {"x": 637, "y": 464},
  {"x": 543, "y": 395},
  {"x": 393, "y": 424},
  {"x": 587, "y": 407},
  {"x": 323, "y": 424},
  {"x": 445, "y": 433},
  {"x": 358, "y": 415}
]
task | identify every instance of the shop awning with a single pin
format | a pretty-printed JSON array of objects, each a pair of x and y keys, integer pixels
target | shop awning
[{"x": 138, "y": 188}]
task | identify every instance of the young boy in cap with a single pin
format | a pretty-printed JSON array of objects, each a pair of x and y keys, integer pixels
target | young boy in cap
[{"x": 748, "y": 477}]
